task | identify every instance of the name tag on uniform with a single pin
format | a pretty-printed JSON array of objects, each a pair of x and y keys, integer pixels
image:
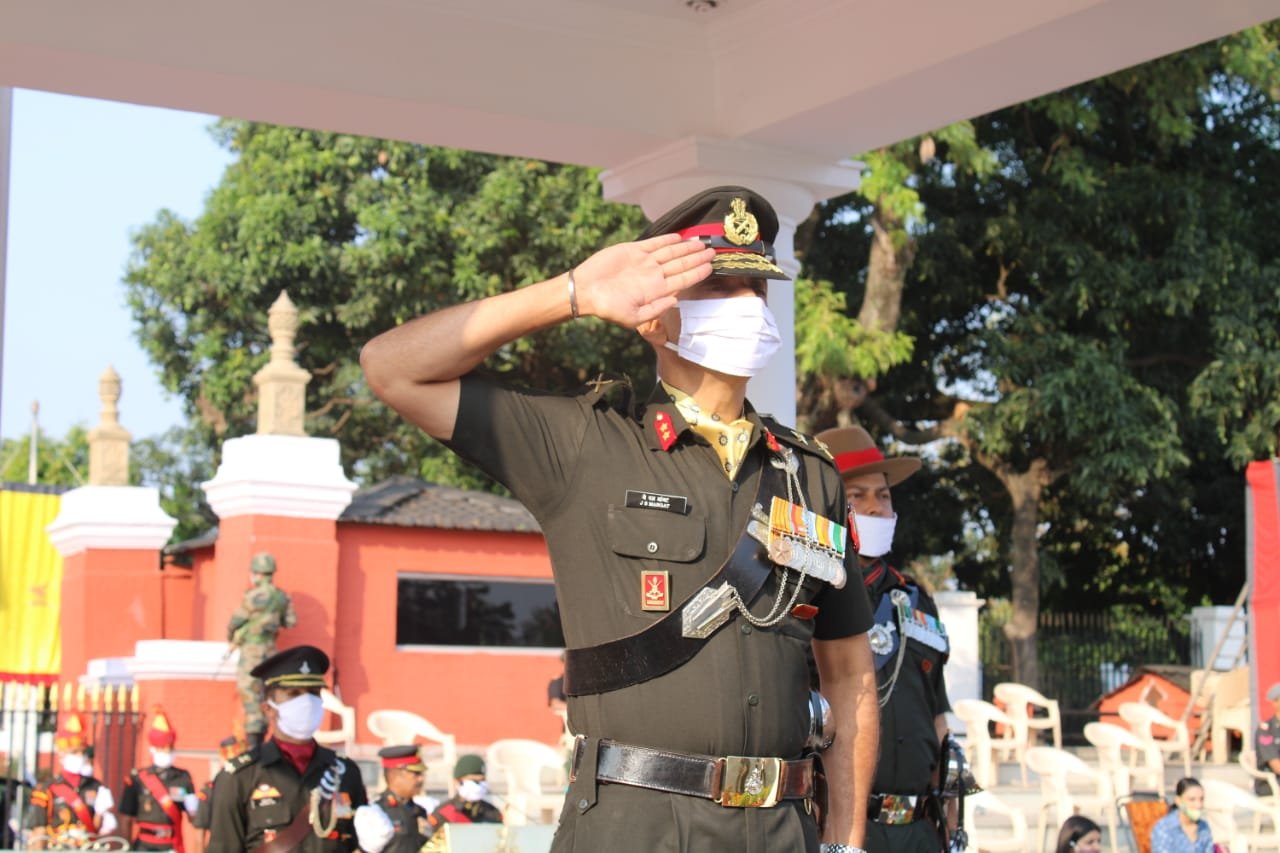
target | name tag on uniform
[{"x": 653, "y": 500}]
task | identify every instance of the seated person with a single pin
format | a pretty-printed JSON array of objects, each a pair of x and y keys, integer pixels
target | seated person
[
  {"x": 469, "y": 805},
  {"x": 1184, "y": 829},
  {"x": 1266, "y": 744}
]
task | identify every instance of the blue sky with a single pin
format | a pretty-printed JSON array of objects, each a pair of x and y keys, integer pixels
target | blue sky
[{"x": 85, "y": 174}]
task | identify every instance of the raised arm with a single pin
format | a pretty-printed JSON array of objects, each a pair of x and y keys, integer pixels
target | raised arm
[{"x": 415, "y": 367}]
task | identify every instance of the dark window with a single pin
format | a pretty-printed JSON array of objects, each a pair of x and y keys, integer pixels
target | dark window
[{"x": 467, "y": 611}]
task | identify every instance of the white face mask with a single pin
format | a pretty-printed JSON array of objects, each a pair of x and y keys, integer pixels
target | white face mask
[
  {"x": 736, "y": 335},
  {"x": 300, "y": 717},
  {"x": 875, "y": 534},
  {"x": 74, "y": 764},
  {"x": 161, "y": 758},
  {"x": 472, "y": 791}
]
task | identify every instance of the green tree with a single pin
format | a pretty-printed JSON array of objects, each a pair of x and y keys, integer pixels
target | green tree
[
  {"x": 1094, "y": 323},
  {"x": 363, "y": 234},
  {"x": 59, "y": 461}
]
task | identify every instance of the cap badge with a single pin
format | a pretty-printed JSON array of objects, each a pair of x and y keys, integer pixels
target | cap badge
[
  {"x": 740, "y": 227},
  {"x": 304, "y": 669}
]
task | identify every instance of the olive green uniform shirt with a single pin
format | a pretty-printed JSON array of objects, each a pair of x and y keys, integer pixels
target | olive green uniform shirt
[
  {"x": 572, "y": 460},
  {"x": 909, "y": 748}
]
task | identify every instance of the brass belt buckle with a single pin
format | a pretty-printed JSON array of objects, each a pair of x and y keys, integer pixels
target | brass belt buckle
[{"x": 750, "y": 782}]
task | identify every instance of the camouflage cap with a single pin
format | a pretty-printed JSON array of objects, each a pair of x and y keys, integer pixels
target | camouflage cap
[{"x": 263, "y": 564}]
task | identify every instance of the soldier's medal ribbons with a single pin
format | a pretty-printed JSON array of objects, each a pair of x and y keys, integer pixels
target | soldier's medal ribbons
[{"x": 800, "y": 539}]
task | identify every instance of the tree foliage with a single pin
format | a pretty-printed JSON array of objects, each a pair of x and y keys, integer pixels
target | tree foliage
[
  {"x": 363, "y": 234},
  {"x": 1094, "y": 324}
]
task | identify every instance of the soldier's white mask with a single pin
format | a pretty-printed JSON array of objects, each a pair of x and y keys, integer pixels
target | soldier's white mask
[
  {"x": 75, "y": 764},
  {"x": 875, "y": 534},
  {"x": 472, "y": 791},
  {"x": 300, "y": 717},
  {"x": 161, "y": 758},
  {"x": 735, "y": 335}
]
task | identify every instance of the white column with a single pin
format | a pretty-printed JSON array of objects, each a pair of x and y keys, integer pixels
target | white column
[
  {"x": 958, "y": 611},
  {"x": 287, "y": 475},
  {"x": 792, "y": 182},
  {"x": 110, "y": 518}
]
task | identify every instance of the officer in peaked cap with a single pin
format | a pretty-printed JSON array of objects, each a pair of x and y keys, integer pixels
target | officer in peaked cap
[
  {"x": 910, "y": 646},
  {"x": 395, "y": 823},
  {"x": 688, "y": 601},
  {"x": 290, "y": 793}
]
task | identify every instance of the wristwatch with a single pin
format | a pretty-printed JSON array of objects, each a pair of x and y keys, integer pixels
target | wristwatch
[{"x": 839, "y": 848}]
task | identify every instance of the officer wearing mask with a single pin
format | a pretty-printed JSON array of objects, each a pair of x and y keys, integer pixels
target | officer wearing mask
[
  {"x": 290, "y": 793},
  {"x": 469, "y": 804},
  {"x": 395, "y": 823},
  {"x": 698, "y": 546},
  {"x": 156, "y": 797},
  {"x": 905, "y": 813},
  {"x": 73, "y": 807}
]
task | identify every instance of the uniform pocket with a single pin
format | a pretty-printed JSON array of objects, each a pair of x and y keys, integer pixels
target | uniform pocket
[
  {"x": 268, "y": 815},
  {"x": 653, "y": 535}
]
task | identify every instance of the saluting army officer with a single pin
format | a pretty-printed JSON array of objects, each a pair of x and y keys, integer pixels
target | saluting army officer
[
  {"x": 697, "y": 544},
  {"x": 394, "y": 823},
  {"x": 290, "y": 793},
  {"x": 910, "y": 647}
]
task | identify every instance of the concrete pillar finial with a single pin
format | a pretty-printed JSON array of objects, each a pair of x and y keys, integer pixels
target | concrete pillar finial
[
  {"x": 109, "y": 441},
  {"x": 281, "y": 382}
]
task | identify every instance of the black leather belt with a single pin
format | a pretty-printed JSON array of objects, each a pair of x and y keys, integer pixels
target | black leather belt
[{"x": 736, "y": 781}]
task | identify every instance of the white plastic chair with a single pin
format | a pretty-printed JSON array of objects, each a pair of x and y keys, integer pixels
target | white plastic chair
[
  {"x": 987, "y": 839},
  {"x": 1221, "y": 802},
  {"x": 534, "y": 775},
  {"x": 1057, "y": 769},
  {"x": 980, "y": 745},
  {"x": 400, "y": 728},
  {"x": 1143, "y": 719},
  {"x": 343, "y": 737},
  {"x": 1145, "y": 763},
  {"x": 1021, "y": 703}
]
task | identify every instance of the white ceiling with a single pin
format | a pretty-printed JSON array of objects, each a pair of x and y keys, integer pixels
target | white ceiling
[{"x": 598, "y": 82}]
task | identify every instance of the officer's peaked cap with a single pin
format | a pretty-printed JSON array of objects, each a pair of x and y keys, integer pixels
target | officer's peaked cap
[
  {"x": 405, "y": 757},
  {"x": 735, "y": 221},
  {"x": 300, "y": 666},
  {"x": 856, "y": 453}
]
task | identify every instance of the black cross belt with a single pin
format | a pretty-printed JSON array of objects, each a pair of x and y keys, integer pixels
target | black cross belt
[{"x": 662, "y": 646}]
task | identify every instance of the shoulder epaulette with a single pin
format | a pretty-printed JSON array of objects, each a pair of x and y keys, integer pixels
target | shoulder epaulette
[
  {"x": 243, "y": 760},
  {"x": 609, "y": 390},
  {"x": 795, "y": 439}
]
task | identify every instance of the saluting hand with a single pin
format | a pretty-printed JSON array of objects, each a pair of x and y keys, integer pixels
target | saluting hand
[{"x": 632, "y": 283}]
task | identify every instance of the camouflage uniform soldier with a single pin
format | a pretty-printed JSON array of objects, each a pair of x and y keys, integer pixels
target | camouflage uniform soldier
[{"x": 252, "y": 629}]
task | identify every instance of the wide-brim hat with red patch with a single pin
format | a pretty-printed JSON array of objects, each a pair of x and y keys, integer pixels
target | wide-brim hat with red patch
[
  {"x": 402, "y": 757},
  {"x": 856, "y": 453},
  {"x": 735, "y": 221},
  {"x": 73, "y": 732},
  {"x": 161, "y": 734}
]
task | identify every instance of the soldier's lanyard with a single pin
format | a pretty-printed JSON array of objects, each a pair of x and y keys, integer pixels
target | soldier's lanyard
[{"x": 901, "y": 613}]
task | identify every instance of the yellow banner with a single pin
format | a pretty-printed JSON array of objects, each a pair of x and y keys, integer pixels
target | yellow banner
[{"x": 30, "y": 585}]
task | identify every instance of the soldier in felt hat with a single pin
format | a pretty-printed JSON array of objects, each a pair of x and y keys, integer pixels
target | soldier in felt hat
[
  {"x": 264, "y": 610},
  {"x": 910, "y": 647},
  {"x": 697, "y": 545},
  {"x": 290, "y": 793},
  {"x": 73, "y": 806},
  {"x": 395, "y": 823},
  {"x": 155, "y": 797}
]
